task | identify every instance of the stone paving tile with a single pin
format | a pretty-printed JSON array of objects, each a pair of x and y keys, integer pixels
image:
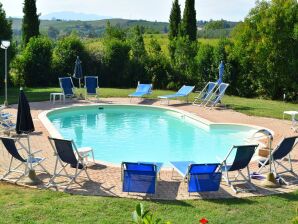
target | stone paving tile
[{"x": 106, "y": 180}]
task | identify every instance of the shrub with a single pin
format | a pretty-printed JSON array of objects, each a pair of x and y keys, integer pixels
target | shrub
[
  {"x": 115, "y": 63},
  {"x": 33, "y": 66},
  {"x": 139, "y": 216},
  {"x": 65, "y": 53}
]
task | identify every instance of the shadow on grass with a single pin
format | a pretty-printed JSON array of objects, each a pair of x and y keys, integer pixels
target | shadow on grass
[{"x": 239, "y": 107}]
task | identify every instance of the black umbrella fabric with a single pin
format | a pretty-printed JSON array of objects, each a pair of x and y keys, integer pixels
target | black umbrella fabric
[
  {"x": 24, "y": 119},
  {"x": 78, "y": 73}
]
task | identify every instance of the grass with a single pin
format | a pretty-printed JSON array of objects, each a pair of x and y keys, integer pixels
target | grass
[
  {"x": 255, "y": 107},
  {"x": 22, "y": 205},
  {"x": 162, "y": 39}
]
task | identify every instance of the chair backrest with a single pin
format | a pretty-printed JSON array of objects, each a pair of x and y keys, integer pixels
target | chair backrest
[
  {"x": 185, "y": 90},
  {"x": 91, "y": 83},
  {"x": 220, "y": 92},
  {"x": 64, "y": 149},
  {"x": 138, "y": 177},
  {"x": 208, "y": 90},
  {"x": 9, "y": 144},
  {"x": 244, "y": 153},
  {"x": 144, "y": 88},
  {"x": 202, "y": 177},
  {"x": 66, "y": 85},
  {"x": 285, "y": 147}
]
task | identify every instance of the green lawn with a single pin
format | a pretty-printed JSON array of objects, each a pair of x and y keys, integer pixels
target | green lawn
[
  {"x": 256, "y": 107},
  {"x": 21, "y": 205}
]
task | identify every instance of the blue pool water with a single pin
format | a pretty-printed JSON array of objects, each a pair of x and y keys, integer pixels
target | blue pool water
[{"x": 136, "y": 133}]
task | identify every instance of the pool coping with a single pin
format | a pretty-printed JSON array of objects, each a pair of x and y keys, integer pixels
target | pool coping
[{"x": 53, "y": 132}]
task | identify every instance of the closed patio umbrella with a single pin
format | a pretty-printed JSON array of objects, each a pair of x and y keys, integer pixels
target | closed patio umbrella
[
  {"x": 25, "y": 126},
  {"x": 78, "y": 73},
  {"x": 24, "y": 123},
  {"x": 221, "y": 69}
]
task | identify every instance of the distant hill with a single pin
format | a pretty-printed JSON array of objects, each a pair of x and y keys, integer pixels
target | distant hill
[
  {"x": 58, "y": 27},
  {"x": 67, "y": 15}
]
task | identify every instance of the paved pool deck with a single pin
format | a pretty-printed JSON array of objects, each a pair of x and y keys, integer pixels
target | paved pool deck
[{"x": 106, "y": 180}]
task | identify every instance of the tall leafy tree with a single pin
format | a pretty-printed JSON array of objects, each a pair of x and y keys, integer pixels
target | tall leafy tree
[
  {"x": 266, "y": 49},
  {"x": 189, "y": 21},
  {"x": 30, "y": 26},
  {"x": 5, "y": 34},
  {"x": 175, "y": 20}
]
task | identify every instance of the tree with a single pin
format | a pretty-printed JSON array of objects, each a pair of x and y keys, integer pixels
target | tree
[
  {"x": 175, "y": 20},
  {"x": 266, "y": 49},
  {"x": 189, "y": 21},
  {"x": 30, "y": 26},
  {"x": 5, "y": 34},
  {"x": 65, "y": 53},
  {"x": 33, "y": 66},
  {"x": 53, "y": 32},
  {"x": 138, "y": 56},
  {"x": 204, "y": 61}
]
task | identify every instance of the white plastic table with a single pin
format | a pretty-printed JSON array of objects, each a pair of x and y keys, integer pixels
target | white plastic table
[
  {"x": 54, "y": 95},
  {"x": 292, "y": 113}
]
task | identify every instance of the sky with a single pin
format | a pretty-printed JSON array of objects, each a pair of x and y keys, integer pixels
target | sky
[{"x": 152, "y": 10}]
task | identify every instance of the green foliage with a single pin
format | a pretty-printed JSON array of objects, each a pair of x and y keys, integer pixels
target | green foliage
[
  {"x": 5, "y": 34},
  {"x": 157, "y": 66},
  {"x": 30, "y": 26},
  {"x": 189, "y": 21},
  {"x": 65, "y": 53},
  {"x": 266, "y": 49},
  {"x": 115, "y": 63},
  {"x": 204, "y": 61},
  {"x": 139, "y": 216},
  {"x": 33, "y": 66},
  {"x": 184, "y": 64},
  {"x": 175, "y": 20},
  {"x": 138, "y": 57},
  {"x": 53, "y": 32},
  {"x": 114, "y": 32}
]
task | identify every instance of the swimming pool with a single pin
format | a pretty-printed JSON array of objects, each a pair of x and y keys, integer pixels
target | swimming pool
[{"x": 143, "y": 133}]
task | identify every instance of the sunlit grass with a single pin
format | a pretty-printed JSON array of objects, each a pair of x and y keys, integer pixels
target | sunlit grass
[{"x": 255, "y": 107}]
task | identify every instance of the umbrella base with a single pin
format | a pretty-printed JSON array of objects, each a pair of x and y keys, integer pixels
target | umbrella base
[
  {"x": 270, "y": 181},
  {"x": 5, "y": 103},
  {"x": 31, "y": 179}
]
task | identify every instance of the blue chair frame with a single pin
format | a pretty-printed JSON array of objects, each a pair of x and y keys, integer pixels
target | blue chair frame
[
  {"x": 67, "y": 86},
  {"x": 139, "y": 177},
  {"x": 184, "y": 91},
  {"x": 91, "y": 86},
  {"x": 243, "y": 156},
  {"x": 280, "y": 153}
]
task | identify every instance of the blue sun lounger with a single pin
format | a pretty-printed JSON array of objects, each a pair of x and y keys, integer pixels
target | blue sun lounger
[
  {"x": 142, "y": 90},
  {"x": 91, "y": 85},
  {"x": 200, "y": 177},
  {"x": 67, "y": 86},
  {"x": 184, "y": 91},
  {"x": 205, "y": 94},
  {"x": 139, "y": 177}
]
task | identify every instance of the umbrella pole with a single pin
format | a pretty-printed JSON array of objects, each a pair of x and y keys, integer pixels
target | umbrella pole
[{"x": 31, "y": 179}]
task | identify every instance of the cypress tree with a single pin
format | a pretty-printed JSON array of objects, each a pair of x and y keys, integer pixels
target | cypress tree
[
  {"x": 5, "y": 34},
  {"x": 30, "y": 26},
  {"x": 189, "y": 21},
  {"x": 175, "y": 19},
  {"x": 5, "y": 31}
]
